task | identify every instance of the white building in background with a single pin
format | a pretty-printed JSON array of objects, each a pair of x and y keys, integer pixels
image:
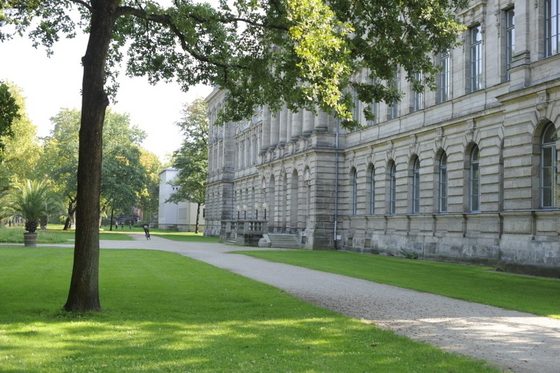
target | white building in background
[{"x": 180, "y": 216}]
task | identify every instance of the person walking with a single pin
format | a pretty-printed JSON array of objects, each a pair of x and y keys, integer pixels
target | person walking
[{"x": 147, "y": 231}]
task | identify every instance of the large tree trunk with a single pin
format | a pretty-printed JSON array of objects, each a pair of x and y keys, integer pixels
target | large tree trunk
[
  {"x": 84, "y": 287},
  {"x": 197, "y": 215}
]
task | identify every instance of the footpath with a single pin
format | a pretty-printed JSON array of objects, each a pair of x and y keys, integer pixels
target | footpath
[{"x": 514, "y": 341}]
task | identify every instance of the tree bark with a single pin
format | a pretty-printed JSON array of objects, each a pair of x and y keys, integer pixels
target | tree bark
[
  {"x": 83, "y": 295},
  {"x": 197, "y": 216}
]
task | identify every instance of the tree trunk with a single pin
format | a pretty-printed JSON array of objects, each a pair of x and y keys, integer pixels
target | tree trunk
[
  {"x": 83, "y": 295},
  {"x": 70, "y": 211},
  {"x": 197, "y": 215},
  {"x": 111, "y": 220}
]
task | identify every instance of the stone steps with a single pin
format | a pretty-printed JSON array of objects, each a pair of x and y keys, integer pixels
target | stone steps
[{"x": 284, "y": 240}]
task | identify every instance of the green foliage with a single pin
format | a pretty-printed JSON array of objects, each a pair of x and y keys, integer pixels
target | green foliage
[
  {"x": 299, "y": 52},
  {"x": 9, "y": 112},
  {"x": 149, "y": 195},
  {"x": 192, "y": 158},
  {"x": 124, "y": 175},
  {"x": 32, "y": 200},
  {"x": 20, "y": 151},
  {"x": 469, "y": 282},
  {"x": 165, "y": 312}
]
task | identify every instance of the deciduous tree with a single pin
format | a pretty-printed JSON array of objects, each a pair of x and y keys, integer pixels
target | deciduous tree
[
  {"x": 298, "y": 52},
  {"x": 192, "y": 158},
  {"x": 20, "y": 151}
]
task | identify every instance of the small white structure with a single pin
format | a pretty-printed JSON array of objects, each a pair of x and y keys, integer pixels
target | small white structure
[{"x": 180, "y": 216}]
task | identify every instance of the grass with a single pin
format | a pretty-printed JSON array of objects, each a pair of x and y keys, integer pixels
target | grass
[
  {"x": 53, "y": 235},
  {"x": 164, "y": 312},
  {"x": 478, "y": 284},
  {"x": 184, "y": 236}
]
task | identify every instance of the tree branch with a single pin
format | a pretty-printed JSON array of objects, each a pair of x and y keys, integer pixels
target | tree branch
[
  {"x": 166, "y": 20},
  {"x": 82, "y": 3}
]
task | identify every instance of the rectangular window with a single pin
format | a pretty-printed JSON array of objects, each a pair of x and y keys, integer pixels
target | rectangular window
[
  {"x": 443, "y": 78},
  {"x": 374, "y": 110},
  {"x": 443, "y": 188},
  {"x": 551, "y": 32},
  {"x": 548, "y": 174},
  {"x": 510, "y": 41},
  {"x": 393, "y": 107},
  {"x": 475, "y": 58},
  {"x": 417, "y": 97},
  {"x": 392, "y": 110}
]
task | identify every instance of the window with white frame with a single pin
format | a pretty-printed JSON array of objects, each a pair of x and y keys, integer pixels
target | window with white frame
[
  {"x": 474, "y": 180},
  {"x": 552, "y": 27},
  {"x": 442, "y": 183},
  {"x": 509, "y": 15},
  {"x": 415, "y": 187},
  {"x": 443, "y": 88},
  {"x": 475, "y": 58},
  {"x": 548, "y": 166}
]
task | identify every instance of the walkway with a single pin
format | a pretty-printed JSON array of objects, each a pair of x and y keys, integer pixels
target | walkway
[{"x": 515, "y": 341}]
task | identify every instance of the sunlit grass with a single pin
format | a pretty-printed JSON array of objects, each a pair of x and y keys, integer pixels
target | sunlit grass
[
  {"x": 474, "y": 283},
  {"x": 52, "y": 235},
  {"x": 184, "y": 236},
  {"x": 164, "y": 312}
]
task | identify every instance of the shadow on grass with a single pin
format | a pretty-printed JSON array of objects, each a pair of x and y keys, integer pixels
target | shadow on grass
[
  {"x": 164, "y": 312},
  {"x": 295, "y": 344}
]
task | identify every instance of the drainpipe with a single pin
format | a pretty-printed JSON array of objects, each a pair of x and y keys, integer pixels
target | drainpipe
[{"x": 336, "y": 149}]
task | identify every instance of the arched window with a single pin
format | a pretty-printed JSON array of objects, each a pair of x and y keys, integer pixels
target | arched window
[
  {"x": 392, "y": 202},
  {"x": 548, "y": 166},
  {"x": 415, "y": 186},
  {"x": 371, "y": 190},
  {"x": 354, "y": 190},
  {"x": 474, "y": 180},
  {"x": 442, "y": 183}
]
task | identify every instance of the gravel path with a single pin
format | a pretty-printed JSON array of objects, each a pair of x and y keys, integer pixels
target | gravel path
[{"x": 515, "y": 341}]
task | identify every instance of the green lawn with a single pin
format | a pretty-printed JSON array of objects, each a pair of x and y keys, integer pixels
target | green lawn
[
  {"x": 184, "y": 236},
  {"x": 54, "y": 234},
  {"x": 15, "y": 235},
  {"x": 479, "y": 284},
  {"x": 164, "y": 312}
]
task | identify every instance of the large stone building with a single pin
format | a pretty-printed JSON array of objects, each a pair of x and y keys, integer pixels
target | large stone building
[{"x": 468, "y": 171}]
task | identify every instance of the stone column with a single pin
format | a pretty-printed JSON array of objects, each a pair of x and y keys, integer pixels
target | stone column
[
  {"x": 265, "y": 133},
  {"x": 297, "y": 125},
  {"x": 520, "y": 74},
  {"x": 283, "y": 124},
  {"x": 322, "y": 122},
  {"x": 308, "y": 122},
  {"x": 274, "y": 129}
]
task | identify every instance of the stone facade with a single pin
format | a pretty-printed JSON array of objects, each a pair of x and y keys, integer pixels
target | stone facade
[{"x": 467, "y": 172}]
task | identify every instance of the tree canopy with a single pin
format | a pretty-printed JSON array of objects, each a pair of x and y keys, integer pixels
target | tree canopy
[
  {"x": 20, "y": 150},
  {"x": 9, "y": 112},
  {"x": 191, "y": 160},
  {"x": 301, "y": 53}
]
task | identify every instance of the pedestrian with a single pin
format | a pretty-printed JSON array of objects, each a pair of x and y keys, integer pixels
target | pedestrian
[{"x": 147, "y": 231}]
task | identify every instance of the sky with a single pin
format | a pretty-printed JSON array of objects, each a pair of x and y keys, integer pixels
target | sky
[{"x": 49, "y": 84}]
